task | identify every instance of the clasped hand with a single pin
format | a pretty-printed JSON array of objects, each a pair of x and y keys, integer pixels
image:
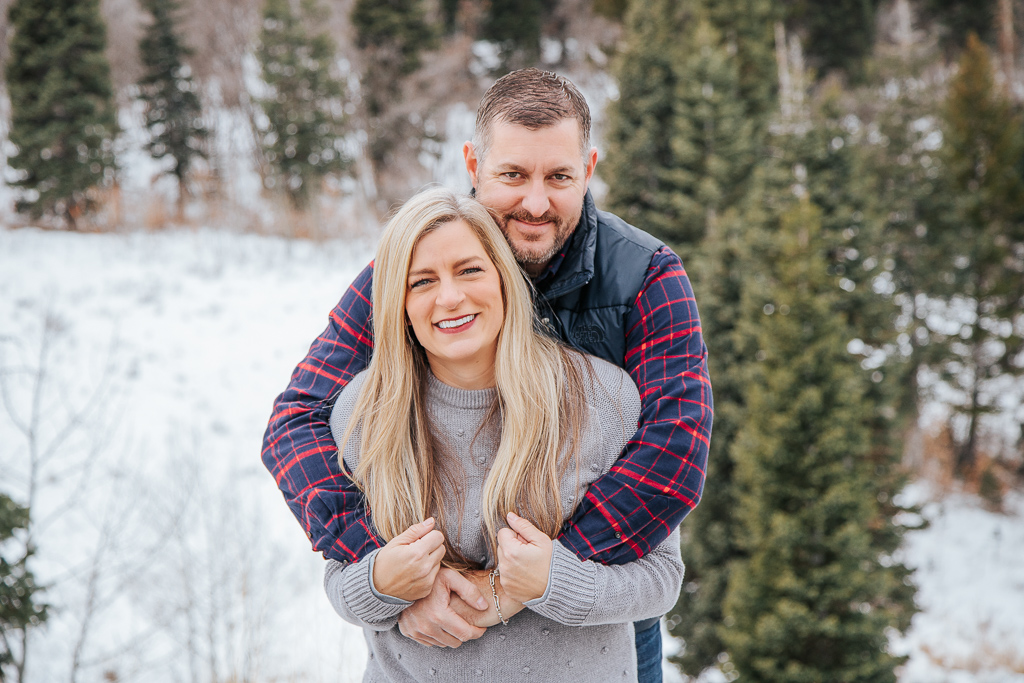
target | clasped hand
[{"x": 455, "y": 608}]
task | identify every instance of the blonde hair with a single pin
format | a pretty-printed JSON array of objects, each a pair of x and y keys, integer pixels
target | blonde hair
[{"x": 540, "y": 396}]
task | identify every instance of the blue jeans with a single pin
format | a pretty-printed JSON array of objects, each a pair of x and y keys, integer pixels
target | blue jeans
[{"x": 648, "y": 654}]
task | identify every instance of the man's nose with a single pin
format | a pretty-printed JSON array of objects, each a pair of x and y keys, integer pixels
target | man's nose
[
  {"x": 536, "y": 201},
  {"x": 449, "y": 294}
]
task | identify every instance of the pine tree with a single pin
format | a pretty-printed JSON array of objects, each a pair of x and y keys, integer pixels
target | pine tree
[
  {"x": 173, "y": 109},
  {"x": 391, "y": 35},
  {"x": 303, "y": 139},
  {"x": 680, "y": 138},
  {"x": 515, "y": 25},
  {"x": 748, "y": 29},
  {"x": 838, "y": 34},
  {"x": 63, "y": 118},
  {"x": 979, "y": 245},
  {"x": 712, "y": 137},
  {"x": 642, "y": 120},
  {"x": 20, "y": 608},
  {"x": 819, "y": 589},
  {"x": 721, "y": 272}
]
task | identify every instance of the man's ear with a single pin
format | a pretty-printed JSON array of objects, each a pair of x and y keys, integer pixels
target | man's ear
[
  {"x": 469, "y": 154},
  {"x": 591, "y": 163}
]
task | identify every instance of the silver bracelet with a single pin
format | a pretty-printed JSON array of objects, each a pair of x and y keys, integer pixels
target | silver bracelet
[{"x": 497, "y": 607}]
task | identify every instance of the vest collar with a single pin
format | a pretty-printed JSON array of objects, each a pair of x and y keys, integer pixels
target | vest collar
[{"x": 577, "y": 269}]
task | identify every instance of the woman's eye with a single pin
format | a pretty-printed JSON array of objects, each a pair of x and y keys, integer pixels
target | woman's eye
[
  {"x": 418, "y": 283},
  {"x": 472, "y": 270}
]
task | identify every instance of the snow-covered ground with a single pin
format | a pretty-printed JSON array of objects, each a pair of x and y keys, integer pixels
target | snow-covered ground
[{"x": 170, "y": 347}]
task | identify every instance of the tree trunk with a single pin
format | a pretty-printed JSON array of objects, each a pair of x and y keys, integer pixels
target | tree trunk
[{"x": 1007, "y": 40}]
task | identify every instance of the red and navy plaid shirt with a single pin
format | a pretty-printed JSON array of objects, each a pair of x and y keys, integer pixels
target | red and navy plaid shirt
[{"x": 628, "y": 511}]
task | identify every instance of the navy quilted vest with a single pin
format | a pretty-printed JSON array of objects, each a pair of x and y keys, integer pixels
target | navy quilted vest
[{"x": 589, "y": 300}]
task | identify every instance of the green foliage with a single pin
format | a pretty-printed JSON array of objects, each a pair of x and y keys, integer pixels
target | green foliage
[
  {"x": 813, "y": 599},
  {"x": 978, "y": 243},
  {"x": 641, "y": 121},
  {"x": 63, "y": 116},
  {"x": 515, "y": 25},
  {"x": 302, "y": 140},
  {"x": 960, "y": 18},
  {"x": 612, "y": 9},
  {"x": 748, "y": 28},
  {"x": 680, "y": 138},
  {"x": 720, "y": 273},
  {"x": 20, "y": 608},
  {"x": 392, "y": 35},
  {"x": 838, "y": 34},
  {"x": 173, "y": 110}
]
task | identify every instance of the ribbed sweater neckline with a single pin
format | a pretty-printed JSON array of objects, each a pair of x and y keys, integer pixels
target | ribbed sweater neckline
[{"x": 466, "y": 399}]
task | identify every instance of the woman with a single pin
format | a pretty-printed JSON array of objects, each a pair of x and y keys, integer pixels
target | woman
[{"x": 466, "y": 418}]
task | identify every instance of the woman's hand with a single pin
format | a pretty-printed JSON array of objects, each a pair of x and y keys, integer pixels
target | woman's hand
[
  {"x": 524, "y": 559},
  {"x": 405, "y": 568}
]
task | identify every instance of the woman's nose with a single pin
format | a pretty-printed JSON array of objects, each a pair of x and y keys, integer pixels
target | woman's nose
[{"x": 449, "y": 294}]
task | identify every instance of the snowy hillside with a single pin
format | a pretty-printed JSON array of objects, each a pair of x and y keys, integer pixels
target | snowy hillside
[{"x": 168, "y": 549}]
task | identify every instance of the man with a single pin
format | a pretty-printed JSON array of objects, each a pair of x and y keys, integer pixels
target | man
[{"x": 603, "y": 286}]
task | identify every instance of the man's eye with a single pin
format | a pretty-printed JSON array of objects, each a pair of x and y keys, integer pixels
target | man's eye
[
  {"x": 559, "y": 177},
  {"x": 513, "y": 175}
]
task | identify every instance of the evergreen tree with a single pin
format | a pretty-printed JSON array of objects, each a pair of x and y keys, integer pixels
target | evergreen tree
[
  {"x": 748, "y": 29},
  {"x": 680, "y": 138},
  {"x": 302, "y": 141},
  {"x": 20, "y": 608},
  {"x": 172, "y": 104},
  {"x": 839, "y": 34},
  {"x": 642, "y": 120},
  {"x": 391, "y": 35},
  {"x": 63, "y": 118},
  {"x": 979, "y": 243},
  {"x": 960, "y": 18},
  {"x": 515, "y": 25},
  {"x": 721, "y": 272},
  {"x": 712, "y": 137},
  {"x": 819, "y": 589}
]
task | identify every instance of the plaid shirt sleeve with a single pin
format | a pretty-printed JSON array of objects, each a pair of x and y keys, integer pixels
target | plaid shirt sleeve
[
  {"x": 659, "y": 477},
  {"x": 298, "y": 448}
]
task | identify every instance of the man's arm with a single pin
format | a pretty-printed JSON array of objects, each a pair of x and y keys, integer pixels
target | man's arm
[
  {"x": 298, "y": 448},
  {"x": 660, "y": 475}
]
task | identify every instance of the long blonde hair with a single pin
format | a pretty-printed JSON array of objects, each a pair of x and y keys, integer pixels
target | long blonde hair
[{"x": 540, "y": 397}]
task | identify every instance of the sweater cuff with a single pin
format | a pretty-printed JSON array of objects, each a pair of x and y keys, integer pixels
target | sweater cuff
[
  {"x": 571, "y": 591},
  {"x": 363, "y": 599}
]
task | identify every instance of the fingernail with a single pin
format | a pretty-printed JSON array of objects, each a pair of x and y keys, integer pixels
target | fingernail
[
  {"x": 428, "y": 521},
  {"x": 481, "y": 604}
]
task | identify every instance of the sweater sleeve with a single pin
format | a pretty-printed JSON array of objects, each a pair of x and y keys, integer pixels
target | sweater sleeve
[
  {"x": 587, "y": 593},
  {"x": 349, "y": 587}
]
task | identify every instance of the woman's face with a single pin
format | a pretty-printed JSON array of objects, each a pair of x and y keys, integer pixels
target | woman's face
[{"x": 454, "y": 304}]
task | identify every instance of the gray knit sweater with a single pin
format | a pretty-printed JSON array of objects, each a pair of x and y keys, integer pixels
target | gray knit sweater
[{"x": 581, "y": 628}]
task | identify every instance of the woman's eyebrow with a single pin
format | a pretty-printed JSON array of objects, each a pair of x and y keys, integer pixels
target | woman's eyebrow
[{"x": 457, "y": 264}]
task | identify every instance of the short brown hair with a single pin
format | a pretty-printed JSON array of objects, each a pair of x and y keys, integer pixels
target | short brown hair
[{"x": 533, "y": 99}]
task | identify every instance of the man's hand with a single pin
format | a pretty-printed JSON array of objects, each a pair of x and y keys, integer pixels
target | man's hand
[
  {"x": 489, "y": 617},
  {"x": 524, "y": 559},
  {"x": 406, "y": 567},
  {"x": 432, "y": 621}
]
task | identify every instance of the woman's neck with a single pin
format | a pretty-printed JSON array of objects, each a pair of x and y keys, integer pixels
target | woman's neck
[{"x": 469, "y": 377}]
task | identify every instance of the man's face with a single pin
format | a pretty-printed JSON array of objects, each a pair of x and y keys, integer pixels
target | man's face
[{"x": 535, "y": 181}]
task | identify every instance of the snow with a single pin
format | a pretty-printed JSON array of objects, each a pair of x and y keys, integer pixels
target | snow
[{"x": 189, "y": 336}]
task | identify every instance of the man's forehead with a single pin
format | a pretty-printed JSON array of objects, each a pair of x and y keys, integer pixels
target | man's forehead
[{"x": 517, "y": 148}]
